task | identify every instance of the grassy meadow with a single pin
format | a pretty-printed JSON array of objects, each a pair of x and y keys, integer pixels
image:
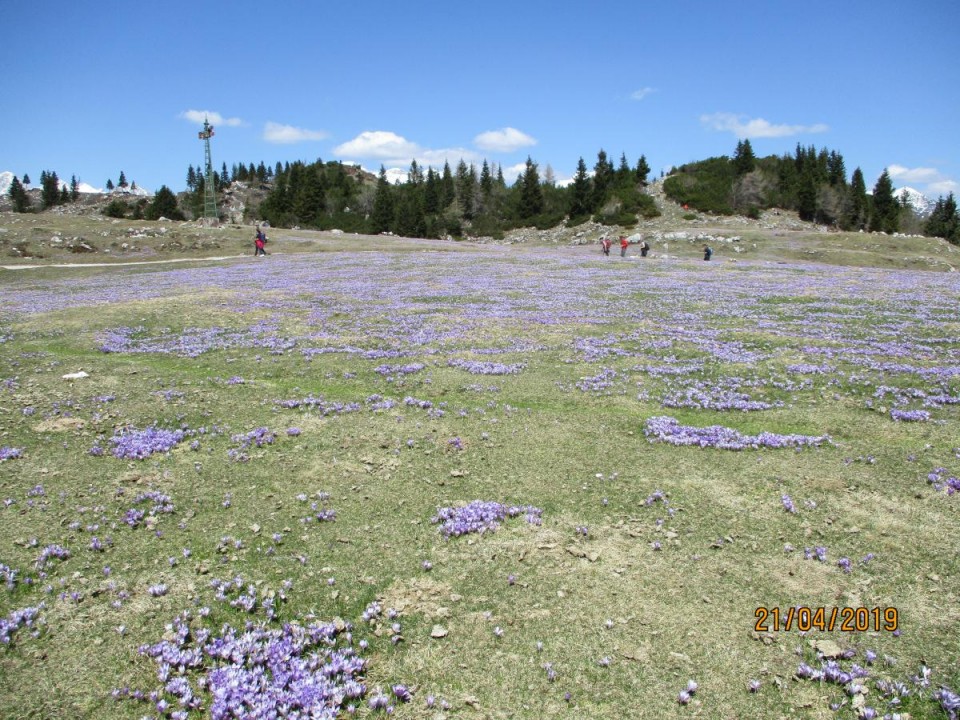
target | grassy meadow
[{"x": 238, "y": 510}]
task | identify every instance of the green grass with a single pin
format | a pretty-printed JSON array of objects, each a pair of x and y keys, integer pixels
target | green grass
[{"x": 685, "y": 611}]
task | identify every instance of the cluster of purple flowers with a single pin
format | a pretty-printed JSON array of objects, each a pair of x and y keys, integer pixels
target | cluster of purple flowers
[
  {"x": 714, "y": 399},
  {"x": 247, "y": 596},
  {"x": 8, "y": 575},
  {"x": 819, "y": 552},
  {"x": 669, "y": 430},
  {"x": 10, "y": 453},
  {"x": 133, "y": 444},
  {"x": 942, "y": 480},
  {"x": 24, "y": 618},
  {"x": 909, "y": 415},
  {"x": 597, "y": 383},
  {"x": 481, "y": 516},
  {"x": 258, "y": 437},
  {"x": 787, "y": 502},
  {"x": 319, "y": 404},
  {"x": 293, "y": 671},
  {"x": 54, "y": 551},
  {"x": 390, "y": 370},
  {"x": 478, "y": 367}
]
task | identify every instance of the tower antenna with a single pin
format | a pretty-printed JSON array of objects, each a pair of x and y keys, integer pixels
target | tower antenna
[{"x": 209, "y": 189}]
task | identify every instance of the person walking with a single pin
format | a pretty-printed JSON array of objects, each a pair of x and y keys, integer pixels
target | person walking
[
  {"x": 623, "y": 245},
  {"x": 707, "y": 252},
  {"x": 605, "y": 242},
  {"x": 644, "y": 248},
  {"x": 259, "y": 243}
]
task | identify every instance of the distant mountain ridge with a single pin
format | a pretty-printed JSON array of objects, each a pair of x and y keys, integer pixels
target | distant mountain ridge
[
  {"x": 921, "y": 204},
  {"x": 6, "y": 179}
]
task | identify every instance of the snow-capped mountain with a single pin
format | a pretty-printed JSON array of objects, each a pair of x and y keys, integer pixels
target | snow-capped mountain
[
  {"x": 6, "y": 178},
  {"x": 921, "y": 204}
]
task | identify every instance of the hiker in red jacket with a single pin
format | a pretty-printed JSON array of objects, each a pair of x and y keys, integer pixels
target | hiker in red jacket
[{"x": 623, "y": 245}]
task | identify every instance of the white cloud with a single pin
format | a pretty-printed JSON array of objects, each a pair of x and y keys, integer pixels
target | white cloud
[
  {"x": 214, "y": 118},
  {"x": 396, "y": 151},
  {"x": 510, "y": 173},
  {"x": 642, "y": 93},
  {"x": 288, "y": 134},
  {"x": 503, "y": 140},
  {"x": 914, "y": 175},
  {"x": 943, "y": 187},
  {"x": 744, "y": 127}
]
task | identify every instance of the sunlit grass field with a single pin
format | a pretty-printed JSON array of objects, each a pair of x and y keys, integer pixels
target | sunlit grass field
[{"x": 264, "y": 445}]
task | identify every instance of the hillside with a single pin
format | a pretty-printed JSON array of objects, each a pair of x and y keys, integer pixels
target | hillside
[{"x": 80, "y": 233}]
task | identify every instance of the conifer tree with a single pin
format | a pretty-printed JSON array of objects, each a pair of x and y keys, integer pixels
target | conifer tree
[
  {"x": 885, "y": 213},
  {"x": 431, "y": 193},
  {"x": 580, "y": 192},
  {"x": 122, "y": 182},
  {"x": 624, "y": 176},
  {"x": 643, "y": 169},
  {"x": 224, "y": 175},
  {"x": 447, "y": 187},
  {"x": 109, "y": 185},
  {"x": 807, "y": 195},
  {"x": 501, "y": 183},
  {"x": 857, "y": 203},
  {"x": 382, "y": 216},
  {"x": 531, "y": 194},
  {"x": 466, "y": 186},
  {"x": 944, "y": 221},
  {"x": 191, "y": 178},
  {"x": 26, "y": 179},
  {"x": 50, "y": 189},
  {"x": 64, "y": 195},
  {"x": 19, "y": 197},
  {"x": 602, "y": 179},
  {"x": 744, "y": 160},
  {"x": 74, "y": 188},
  {"x": 415, "y": 174},
  {"x": 309, "y": 201},
  {"x": 486, "y": 181},
  {"x": 163, "y": 205}
]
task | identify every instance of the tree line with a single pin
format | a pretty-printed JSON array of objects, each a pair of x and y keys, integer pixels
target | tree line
[
  {"x": 812, "y": 182},
  {"x": 456, "y": 202}
]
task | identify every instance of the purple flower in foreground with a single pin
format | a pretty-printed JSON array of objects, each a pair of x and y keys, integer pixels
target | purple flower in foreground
[
  {"x": 753, "y": 686},
  {"x": 788, "y": 503},
  {"x": 158, "y": 590},
  {"x": 683, "y": 698},
  {"x": 10, "y": 453}
]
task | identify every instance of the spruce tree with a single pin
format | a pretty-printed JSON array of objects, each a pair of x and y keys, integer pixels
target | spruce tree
[
  {"x": 944, "y": 221},
  {"x": 64, "y": 195},
  {"x": 431, "y": 193},
  {"x": 531, "y": 194},
  {"x": 122, "y": 182},
  {"x": 580, "y": 192},
  {"x": 382, "y": 216},
  {"x": 643, "y": 169},
  {"x": 857, "y": 203},
  {"x": 447, "y": 187},
  {"x": 50, "y": 190},
  {"x": 807, "y": 195},
  {"x": 74, "y": 188},
  {"x": 744, "y": 160},
  {"x": 486, "y": 181},
  {"x": 164, "y": 205},
  {"x": 109, "y": 185},
  {"x": 602, "y": 180},
  {"x": 466, "y": 186},
  {"x": 885, "y": 214},
  {"x": 19, "y": 197},
  {"x": 26, "y": 179},
  {"x": 191, "y": 178}
]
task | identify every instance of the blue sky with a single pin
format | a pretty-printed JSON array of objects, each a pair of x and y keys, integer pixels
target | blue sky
[{"x": 95, "y": 88}]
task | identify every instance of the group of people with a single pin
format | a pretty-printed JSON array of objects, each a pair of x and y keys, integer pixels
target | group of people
[{"x": 606, "y": 243}]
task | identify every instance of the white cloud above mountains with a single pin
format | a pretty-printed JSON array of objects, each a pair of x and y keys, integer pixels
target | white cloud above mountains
[
  {"x": 744, "y": 127},
  {"x": 503, "y": 140},
  {"x": 279, "y": 134},
  {"x": 214, "y": 118},
  {"x": 394, "y": 150},
  {"x": 936, "y": 182},
  {"x": 642, "y": 93}
]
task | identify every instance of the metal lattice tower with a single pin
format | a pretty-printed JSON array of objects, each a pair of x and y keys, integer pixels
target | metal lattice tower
[{"x": 209, "y": 187}]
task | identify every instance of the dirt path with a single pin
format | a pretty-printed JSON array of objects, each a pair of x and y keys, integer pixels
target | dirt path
[{"x": 121, "y": 264}]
